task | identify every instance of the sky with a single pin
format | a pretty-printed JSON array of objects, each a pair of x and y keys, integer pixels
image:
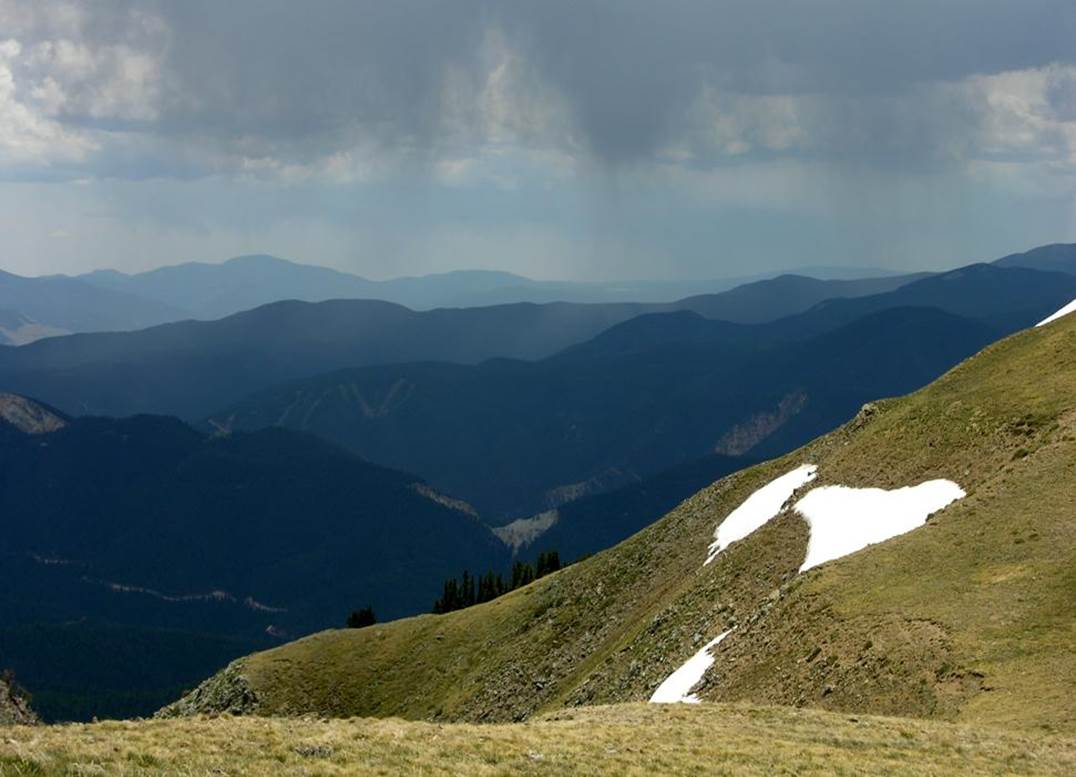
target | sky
[{"x": 574, "y": 139}]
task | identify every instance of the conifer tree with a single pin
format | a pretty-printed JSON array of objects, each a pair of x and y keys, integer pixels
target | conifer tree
[
  {"x": 467, "y": 595},
  {"x": 361, "y": 618},
  {"x": 458, "y": 593},
  {"x": 548, "y": 561}
]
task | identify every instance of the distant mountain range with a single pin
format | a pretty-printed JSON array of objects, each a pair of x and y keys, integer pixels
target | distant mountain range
[
  {"x": 209, "y": 291},
  {"x": 20, "y": 329},
  {"x": 628, "y": 396},
  {"x": 108, "y": 300},
  {"x": 1056, "y": 257},
  {"x": 193, "y": 368},
  {"x": 40, "y": 307},
  {"x": 111, "y": 301},
  {"x": 659, "y": 390}
]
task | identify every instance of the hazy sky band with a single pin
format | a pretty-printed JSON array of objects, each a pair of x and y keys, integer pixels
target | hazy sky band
[{"x": 569, "y": 139}]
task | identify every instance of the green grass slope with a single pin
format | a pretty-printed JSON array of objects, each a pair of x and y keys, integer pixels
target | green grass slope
[
  {"x": 969, "y": 618},
  {"x": 633, "y": 739}
]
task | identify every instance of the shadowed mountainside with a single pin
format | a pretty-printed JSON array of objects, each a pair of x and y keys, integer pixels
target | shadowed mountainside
[
  {"x": 273, "y": 517},
  {"x": 142, "y": 537},
  {"x": 515, "y": 438}
]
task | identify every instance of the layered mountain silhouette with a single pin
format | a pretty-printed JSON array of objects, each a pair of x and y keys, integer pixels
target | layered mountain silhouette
[
  {"x": 108, "y": 300},
  {"x": 654, "y": 392},
  {"x": 57, "y": 304},
  {"x": 209, "y": 291},
  {"x": 32, "y": 308},
  {"x": 1056, "y": 257},
  {"x": 191, "y": 369}
]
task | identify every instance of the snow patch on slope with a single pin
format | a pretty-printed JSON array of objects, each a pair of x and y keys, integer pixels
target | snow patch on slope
[
  {"x": 676, "y": 688},
  {"x": 1069, "y": 308},
  {"x": 844, "y": 520},
  {"x": 762, "y": 506}
]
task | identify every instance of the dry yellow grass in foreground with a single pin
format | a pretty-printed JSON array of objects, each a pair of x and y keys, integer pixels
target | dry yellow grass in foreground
[{"x": 627, "y": 739}]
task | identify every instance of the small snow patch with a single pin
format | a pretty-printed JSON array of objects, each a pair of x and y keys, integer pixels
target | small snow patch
[
  {"x": 676, "y": 688},
  {"x": 844, "y": 520},
  {"x": 762, "y": 506},
  {"x": 1069, "y": 308}
]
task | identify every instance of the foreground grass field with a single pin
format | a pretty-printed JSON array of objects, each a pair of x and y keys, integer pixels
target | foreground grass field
[{"x": 624, "y": 739}]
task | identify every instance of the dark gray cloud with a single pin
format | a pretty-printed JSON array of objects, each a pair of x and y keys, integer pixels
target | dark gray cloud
[
  {"x": 629, "y": 70},
  {"x": 632, "y": 68},
  {"x": 278, "y": 78}
]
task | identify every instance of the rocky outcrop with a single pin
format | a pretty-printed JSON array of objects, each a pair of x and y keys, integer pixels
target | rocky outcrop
[
  {"x": 523, "y": 531},
  {"x": 746, "y": 435},
  {"x": 227, "y": 692},
  {"x": 14, "y": 705},
  {"x": 28, "y": 416}
]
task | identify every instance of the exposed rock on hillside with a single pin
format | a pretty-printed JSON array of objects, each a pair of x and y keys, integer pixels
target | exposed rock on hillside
[
  {"x": 14, "y": 707},
  {"x": 226, "y": 692},
  {"x": 28, "y": 416}
]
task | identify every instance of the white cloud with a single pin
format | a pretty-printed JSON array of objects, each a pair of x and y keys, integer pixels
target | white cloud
[
  {"x": 1021, "y": 120},
  {"x": 27, "y": 134},
  {"x": 110, "y": 82}
]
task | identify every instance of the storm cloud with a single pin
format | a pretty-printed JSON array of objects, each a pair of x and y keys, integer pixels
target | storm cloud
[{"x": 662, "y": 100}]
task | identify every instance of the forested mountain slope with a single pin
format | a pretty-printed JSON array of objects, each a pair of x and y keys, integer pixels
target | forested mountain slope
[
  {"x": 137, "y": 555},
  {"x": 515, "y": 438}
]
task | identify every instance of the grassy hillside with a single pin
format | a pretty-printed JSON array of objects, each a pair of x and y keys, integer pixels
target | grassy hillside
[
  {"x": 968, "y": 618},
  {"x": 625, "y": 739}
]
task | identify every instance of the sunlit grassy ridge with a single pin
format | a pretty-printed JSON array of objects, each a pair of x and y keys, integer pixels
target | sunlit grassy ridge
[
  {"x": 974, "y": 615},
  {"x": 970, "y": 617},
  {"x": 625, "y": 739}
]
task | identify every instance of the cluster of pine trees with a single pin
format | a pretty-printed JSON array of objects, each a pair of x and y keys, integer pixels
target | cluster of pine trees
[
  {"x": 465, "y": 591},
  {"x": 361, "y": 618}
]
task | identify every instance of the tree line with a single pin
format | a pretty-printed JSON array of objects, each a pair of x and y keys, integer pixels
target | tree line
[{"x": 468, "y": 590}]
